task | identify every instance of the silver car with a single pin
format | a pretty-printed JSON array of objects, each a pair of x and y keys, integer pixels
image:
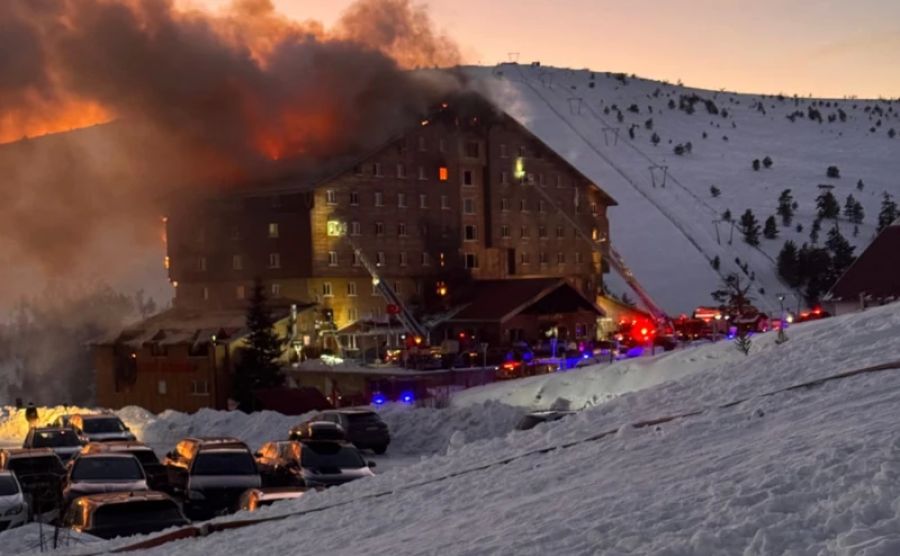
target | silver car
[{"x": 13, "y": 509}]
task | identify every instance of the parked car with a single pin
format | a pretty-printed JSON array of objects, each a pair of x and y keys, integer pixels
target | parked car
[
  {"x": 100, "y": 427},
  {"x": 363, "y": 427},
  {"x": 122, "y": 514},
  {"x": 40, "y": 474},
  {"x": 13, "y": 508},
  {"x": 64, "y": 441},
  {"x": 157, "y": 476},
  {"x": 100, "y": 473},
  {"x": 535, "y": 418},
  {"x": 256, "y": 498},
  {"x": 317, "y": 463},
  {"x": 209, "y": 475}
]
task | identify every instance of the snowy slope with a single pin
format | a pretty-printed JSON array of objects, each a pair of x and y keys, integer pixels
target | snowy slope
[
  {"x": 667, "y": 234},
  {"x": 806, "y": 471}
]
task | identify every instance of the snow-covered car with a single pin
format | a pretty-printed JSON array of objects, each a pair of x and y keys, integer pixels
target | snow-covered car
[
  {"x": 157, "y": 477},
  {"x": 64, "y": 441},
  {"x": 40, "y": 474},
  {"x": 100, "y": 427},
  {"x": 103, "y": 472},
  {"x": 256, "y": 498},
  {"x": 123, "y": 514},
  {"x": 535, "y": 418},
  {"x": 363, "y": 427},
  {"x": 209, "y": 475},
  {"x": 13, "y": 508},
  {"x": 311, "y": 463}
]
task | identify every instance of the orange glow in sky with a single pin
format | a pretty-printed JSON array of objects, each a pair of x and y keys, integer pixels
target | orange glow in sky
[{"x": 827, "y": 48}]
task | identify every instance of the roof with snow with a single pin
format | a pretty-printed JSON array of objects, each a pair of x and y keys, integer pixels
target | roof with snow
[
  {"x": 500, "y": 300},
  {"x": 876, "y": 272}
]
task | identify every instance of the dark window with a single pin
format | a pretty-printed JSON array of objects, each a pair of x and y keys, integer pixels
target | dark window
[
  {"x": 471, "y": 232},
  {"x": 36, "y": 466},
  {"x": 101, "y": 425},
  {"x": 326, "y": 456},
  {"x": 467, "y": 177},
  {"x": 472, "y": 149},
  {"x": 136, "y": 513},
  {"x": 109, "y": 469},
  {"x": 8, "y": 485},
  {"x": 224, "y": 463},
  {"x": 54, "y": 439}
]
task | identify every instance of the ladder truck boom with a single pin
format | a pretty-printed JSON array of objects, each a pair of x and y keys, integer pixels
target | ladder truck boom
[{"x": 405, "y": 316}]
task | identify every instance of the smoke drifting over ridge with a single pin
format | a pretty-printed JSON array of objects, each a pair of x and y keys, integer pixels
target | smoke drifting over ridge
[{"x": 195, "y": 98}]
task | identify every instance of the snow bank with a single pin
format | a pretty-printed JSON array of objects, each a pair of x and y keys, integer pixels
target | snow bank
[{"x": 32, "y": 537}]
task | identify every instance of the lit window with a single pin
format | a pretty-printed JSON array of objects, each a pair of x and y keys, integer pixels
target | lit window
[
  {"x": 331, "y": 197},
  {"x": 401, "y": 200},
  {"x": 443, "y": 173},
  {"x": 445, "y": 202},
  {"x": 379, "y": 199},
  {"x": 595, "y": 234},
  {"x": 273, "y": 230},
  {"x": 332, "y": 258},
  {"x": 240, "y": 292},
  {"x": 519, "y": 170},
  {"x": 335, "y": 228},
  {"x": 401, "y": 229},
  {"x": 401, "y": 171},
  {"x": 422, "y": 175},
  {"x": 467, "y": 177},
  {"x": 503, "y": 153},
  {"x": 403, "y": 258},
  {"x": 276, "y": 290},
  {"x": 237, "y": 263},
  {"x": 354, "y": 198},
  {"x": 471, "y": 232},
  {"x": 379, "y": 228},
  {"x": 354, "y": 228},
  {"x": 274, "y": 260},
  {"x": 471, "y": 260},
  {"x": 469, "y": 206},
  {"x": 326, "y": 289},
  {"x": 423, "y": 201},
  {"x": 504, "y": 231},
  {"x": 376, "y": 170},
  {"x": 351, "y": 289}
]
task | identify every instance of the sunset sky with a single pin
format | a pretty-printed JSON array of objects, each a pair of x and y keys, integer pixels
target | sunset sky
[{"x": 825, "y": 47}]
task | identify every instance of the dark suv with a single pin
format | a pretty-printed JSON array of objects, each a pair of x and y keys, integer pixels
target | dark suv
[
  {"x": 40, "y": 472},
  {"x": 363, "y": 427},
  {"x": 123, "y": 514},
  {"x": 210, "y": 474},
  {"x": 311, "y": 463},
  {"x": 103, "y": 472},
  {"x": 157, "y": 477},
  {"x": 64, "y": 441}
]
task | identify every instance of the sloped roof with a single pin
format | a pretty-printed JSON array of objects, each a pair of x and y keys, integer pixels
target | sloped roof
[
  {"x": 876, "y": 272},
  {"x": 500, "y": 300}
]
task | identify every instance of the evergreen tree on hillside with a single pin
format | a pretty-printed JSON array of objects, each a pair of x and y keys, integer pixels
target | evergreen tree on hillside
[
  {"x": 734, "y": 295},
  {"x": 770, "y": 229},
  {"x": 815, "y": 271},
  {"x": 787, "y": 264},
  {"x": 258, "y": 366},
  {"x": 750, "y": 227},
  {"x": 814, "y": 231},
  {"x": 726, "y": 216},
  {"x": 853, "y": 210},
  {"x": 714, "y": 191},
  {"x": 828, "y": 206},
  {"x": 841, "y": 251},
  {"x": 785, "y": 207},
  {"x": 888, "y": 212}
]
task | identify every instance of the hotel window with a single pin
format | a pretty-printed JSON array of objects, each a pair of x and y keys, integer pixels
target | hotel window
[
  {"x": 353, "y": 316},
  {"x": 326, "y": 289},
  {"x": 354, "y": 198},
  {"x": 403, "y": 259},
  {"x": 442, "y": 145},
  {"x": 276, "y": 290},
  {"x": 472, "y": 149},
  {"x": 594, "y": 209},
  {"x": 471, "y": 260},
  {"x": 240, "y": 292},
  {"x": 356, "y": 261},
  {"x": 379, "y": 228},
  {"x": 379, "y": 258},
  {"x": 504, "y": 178},
  {"x": 471, "y": 232},
  {"x": 401, "y": 200},
  {"x": 542, "y": 232},
  {"x": 423, "y": 201},
  {"x": 523, "y": 232},
  {"x": 332, "y": 258},
  {"x": 503, "y": 153},
  {"x": 199, "y": 388},
  {"x": 201, "y": 264},
  {"x": 560, "y": 258},
  {"x": 351, "y": 289},
  {"x": 445, "y": 202},
  {"x": 577, "y": 257},
  {"x": 541, "y": 179},
  {"x": 468, "y": 206},
  {"x": 524, "y": 257},
  {"x": 426, "y": 259},
  {"x": 161, "y": 387},
  {"x": 542, "y": 257},
  {"x": 334, "y": 228},
  {"x": 205, "y": 293},
  {"x": 560, "y": 232},
  {"x": 376, "y": 170},
  {"x": 379, "y": 199},
  {"x": 330, "y": 197},
  {"x": 401, "y": 229},
  {"x": 467, "y": 177},
  {"x": 273, "y": 230},
  {"x": 443, "y": 173},
  {"x": 354, "y": 228},
  {"x": 422, "y": 175},
  {"x": 504, "y": 204},
  {"x": 540, "y": 206},
  {"x": 274, "y": 260},
  {"x": 523, "y": 205},
  {"x": 401, "y": 171},
  {"x": 522, "y": 150},
  {"x": 504, "y": 231},
  {"x": 422, "y": 144},
  {"x": 559, "y": 182},
  {"x": 237, "y": 263}
]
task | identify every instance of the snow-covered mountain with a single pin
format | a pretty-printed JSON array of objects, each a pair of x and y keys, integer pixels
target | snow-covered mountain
[{"x": 670, "y": 234}]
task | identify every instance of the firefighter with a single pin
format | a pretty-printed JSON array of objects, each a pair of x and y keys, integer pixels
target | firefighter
[{"x": 31, "y": 414}]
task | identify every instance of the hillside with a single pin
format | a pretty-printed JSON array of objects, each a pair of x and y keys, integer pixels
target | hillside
[{"x": 668, "y": 235}]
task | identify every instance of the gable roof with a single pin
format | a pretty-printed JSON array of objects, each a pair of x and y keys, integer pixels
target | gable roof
[
  {"x": 500, "y": 300},
  {"x": 876, "y": 272}
]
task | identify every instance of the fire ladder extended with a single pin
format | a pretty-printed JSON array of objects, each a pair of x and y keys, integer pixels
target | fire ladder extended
[{"x": 404, "y": 315}]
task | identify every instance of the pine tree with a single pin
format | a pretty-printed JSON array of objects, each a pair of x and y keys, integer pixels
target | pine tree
[
  {"x": 888, "y": 212},
  {"x": 726, "y": 216},
  {"x": 767, "y": 162},
  {"x": 742, "y": 342},
  {"x": 716, "y": 263},
  {"x": 853, "y": 210},
  {"x": 841, "y": 251},
  {"x": 828, "y": 206},
  {"x": 714, "y": 191},
  {"x": 258, "y": 367},
  {"x": 770, "y": 229},
  {"x": 788, "y": 264},
  {"x": 750, "y": 227},
  {"x": 814, "y": 231},
  {"x": 755, "y": 164},
  {"x": 815, "y": 270},
  {"x": 733, "y": 294},
  {"x": 785, "y": 207}
]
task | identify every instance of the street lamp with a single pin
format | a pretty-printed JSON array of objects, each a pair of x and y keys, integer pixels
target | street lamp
[{"x": 782, "y": 336}]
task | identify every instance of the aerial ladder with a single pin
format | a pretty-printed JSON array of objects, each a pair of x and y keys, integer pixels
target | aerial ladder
[
  {"x": 616, "y": 262},
  {"x": 404, "y": 315}
]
